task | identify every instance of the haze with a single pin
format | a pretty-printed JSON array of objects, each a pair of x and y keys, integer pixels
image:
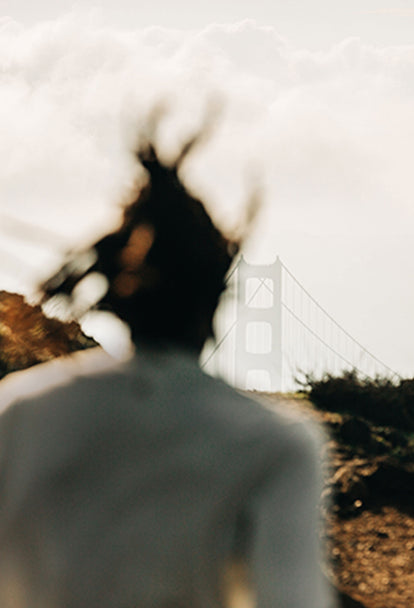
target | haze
[{"x": 316, "y": 104}]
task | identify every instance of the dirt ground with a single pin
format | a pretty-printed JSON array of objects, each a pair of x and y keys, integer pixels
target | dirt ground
[
  {"x": 369, "y": 529},
  {"x": 372, "y": 557}
]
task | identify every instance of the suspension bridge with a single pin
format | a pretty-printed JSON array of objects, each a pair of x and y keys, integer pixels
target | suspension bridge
[{"x": 271, "y": 333}]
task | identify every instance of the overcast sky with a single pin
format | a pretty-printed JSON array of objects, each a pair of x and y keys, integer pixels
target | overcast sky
[
  {"x": 310, "y": 23},
  {"x": 317, "y": 106}
]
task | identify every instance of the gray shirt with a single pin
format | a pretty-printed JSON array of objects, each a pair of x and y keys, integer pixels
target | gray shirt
[{"x": 134, "y": 484}]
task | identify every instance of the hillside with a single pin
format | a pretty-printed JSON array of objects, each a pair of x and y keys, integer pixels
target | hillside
[
  {"x": 369, "y": 482},
  {"x": 28, "y": 337}
]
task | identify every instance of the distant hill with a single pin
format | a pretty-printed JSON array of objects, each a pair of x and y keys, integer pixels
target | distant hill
[{"x": 28, "y": 336}]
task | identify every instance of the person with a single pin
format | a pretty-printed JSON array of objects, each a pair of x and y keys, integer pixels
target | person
[{"x": 144, "y": 482}]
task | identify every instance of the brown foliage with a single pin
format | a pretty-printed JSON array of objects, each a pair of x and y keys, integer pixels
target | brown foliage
[{"x": 28, "y": 337}]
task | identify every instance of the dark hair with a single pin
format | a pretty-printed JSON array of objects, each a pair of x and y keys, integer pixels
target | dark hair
[{"x": 165, "y": 265}]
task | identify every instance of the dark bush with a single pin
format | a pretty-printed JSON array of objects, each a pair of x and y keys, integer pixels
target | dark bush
[{"x": 379, "y": 400}]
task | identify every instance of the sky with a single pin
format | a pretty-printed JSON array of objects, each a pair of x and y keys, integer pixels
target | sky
[{"x": 316, "y": 110}]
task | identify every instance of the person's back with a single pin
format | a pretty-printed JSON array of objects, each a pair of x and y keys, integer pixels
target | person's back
[{"x": 138, "y": 486}]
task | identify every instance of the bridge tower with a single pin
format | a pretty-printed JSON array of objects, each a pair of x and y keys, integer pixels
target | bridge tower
[{"x": 259, "y": 325}]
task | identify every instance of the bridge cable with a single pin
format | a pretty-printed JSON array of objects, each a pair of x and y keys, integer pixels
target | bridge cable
[{"x": 337, "y": 324}]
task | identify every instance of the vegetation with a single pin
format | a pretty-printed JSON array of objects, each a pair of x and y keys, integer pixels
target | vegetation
[
  {"x": 380, "y": 401},
  {"x": 28, "y": 337}
]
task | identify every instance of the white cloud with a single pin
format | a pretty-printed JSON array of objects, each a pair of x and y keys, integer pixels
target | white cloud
[
  {"x": 397, "y": 12},
  {"x": 331, "y": 134},
  {"x": 330, "y": 128}
]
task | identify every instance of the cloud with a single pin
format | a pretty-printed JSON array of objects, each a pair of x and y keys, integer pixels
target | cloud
[
  {"x": 397, "y": 12},
  {"x": 327, "y": 130},
  {"x": 330, "y": 134}
]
